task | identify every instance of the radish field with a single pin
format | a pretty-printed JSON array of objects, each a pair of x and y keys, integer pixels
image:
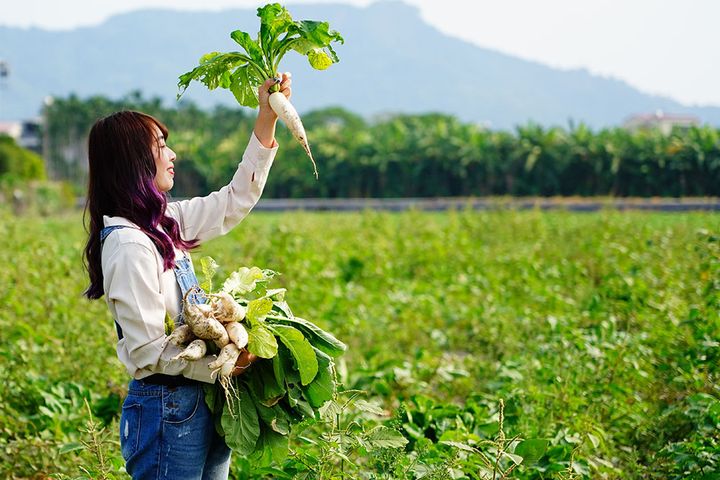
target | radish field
[{"x": 527, "y": 344}]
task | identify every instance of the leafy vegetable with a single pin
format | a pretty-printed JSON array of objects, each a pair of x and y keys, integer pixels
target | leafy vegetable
[
  {"x": 209, "y": 267},
  {"x": 243, "y": 72},
  {"x": 320, "y": 338},
  {"x": 258, "y": 310},
  {"x": 240, "y": 422},
  {"x": 301, "y": 350},
  {"x": 294, "y": 381},
  {"x": 261, "y": 341},
  {"x": 267, "y": 388},
  {"x": 322, "y": 388},
  {"x": 245, "y": 280}
]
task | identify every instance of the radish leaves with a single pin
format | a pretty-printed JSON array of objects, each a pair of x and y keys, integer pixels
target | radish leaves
[{"x": 243, "y": 72}]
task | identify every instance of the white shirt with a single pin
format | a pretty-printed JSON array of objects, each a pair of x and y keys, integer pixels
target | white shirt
[{"x": 139, "y": 292}]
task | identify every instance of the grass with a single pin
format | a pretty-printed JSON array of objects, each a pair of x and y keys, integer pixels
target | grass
[{"x": 598, "y": 331}]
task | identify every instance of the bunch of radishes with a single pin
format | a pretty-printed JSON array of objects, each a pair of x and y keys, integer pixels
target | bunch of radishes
[
  {"x": 217, "y": 321},
  {"x": 293, "y": 377}
]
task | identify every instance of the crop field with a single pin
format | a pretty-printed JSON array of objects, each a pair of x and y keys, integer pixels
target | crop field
[{"x": 525, "y": 344}]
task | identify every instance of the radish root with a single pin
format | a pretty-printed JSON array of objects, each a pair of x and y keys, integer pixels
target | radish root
[{"x": 287, "y": 113}]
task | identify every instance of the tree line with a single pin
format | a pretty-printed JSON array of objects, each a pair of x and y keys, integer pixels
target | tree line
[{"x": 405, "y": 155}]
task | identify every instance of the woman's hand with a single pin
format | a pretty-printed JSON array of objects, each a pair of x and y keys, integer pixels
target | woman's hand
[
  {"x": 243, "y": 362},
  {"x": 267, "y": 118},
  {"x": 264, "y": 94}
]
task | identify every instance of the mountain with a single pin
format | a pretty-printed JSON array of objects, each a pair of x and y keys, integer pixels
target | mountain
[{"x": 392, "y": 61}]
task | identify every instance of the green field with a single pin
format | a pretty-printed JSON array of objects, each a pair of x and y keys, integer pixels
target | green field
[{"x": 599, "y": 332}]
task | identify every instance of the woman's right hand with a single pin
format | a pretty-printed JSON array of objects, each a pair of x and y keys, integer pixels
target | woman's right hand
[
  {"x": 264, "y": 94},
  {"x": 243, "y": 362}
]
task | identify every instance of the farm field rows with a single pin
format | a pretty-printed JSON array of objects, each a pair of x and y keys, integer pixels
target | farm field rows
[{"x": 597, "y": 331}]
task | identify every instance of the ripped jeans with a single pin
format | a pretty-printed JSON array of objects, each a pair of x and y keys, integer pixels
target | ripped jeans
[{"x": 168, "y": 433}]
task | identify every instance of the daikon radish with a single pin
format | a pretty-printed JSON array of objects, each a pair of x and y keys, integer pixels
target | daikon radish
[
  {"x": 181, "y": 336},
  {"x": 228, "y": 353},
  {"x": 237, "y": 333},
  {"x": 287, "y": 113},
  {"x": 195, "y": 351},
  {"x": 226, "y": 309}
]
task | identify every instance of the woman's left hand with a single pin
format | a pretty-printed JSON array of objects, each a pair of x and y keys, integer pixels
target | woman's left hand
[{"x": 264, "y": 94}]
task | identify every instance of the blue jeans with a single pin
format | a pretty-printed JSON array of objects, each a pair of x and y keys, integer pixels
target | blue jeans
[{"x": 168, "y": 433}]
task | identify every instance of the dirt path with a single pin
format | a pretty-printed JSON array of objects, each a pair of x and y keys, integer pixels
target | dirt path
[{"x": 577, "y": 204}]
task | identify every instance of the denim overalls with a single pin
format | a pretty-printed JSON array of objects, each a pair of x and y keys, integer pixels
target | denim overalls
[{"x": 167, "y": 432}]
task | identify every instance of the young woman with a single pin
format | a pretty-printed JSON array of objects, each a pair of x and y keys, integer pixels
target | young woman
[{"x": 137, "y": 256}]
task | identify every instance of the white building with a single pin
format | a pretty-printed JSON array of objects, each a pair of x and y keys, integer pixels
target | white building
[
  {"x": 26, "y": 133},
  {"x": 660, "y": 120}
]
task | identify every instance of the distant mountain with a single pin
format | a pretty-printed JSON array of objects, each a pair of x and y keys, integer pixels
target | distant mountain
[{"x": 392, "y": 61}]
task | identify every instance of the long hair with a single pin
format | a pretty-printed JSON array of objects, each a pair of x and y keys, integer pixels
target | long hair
[{"x": 122, "y": 183}]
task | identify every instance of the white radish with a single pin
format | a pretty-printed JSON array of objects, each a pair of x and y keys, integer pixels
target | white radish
[
  {"x": 287, "y": 113},
  {"x": 226, "y": 309},
  {"x": 237, "y": 333},
  {"x": 223, "y": 340},
  {"x": 208, "y": 328},
  {"x": 230, "y": 352},
  {"x": 195, "y": 351},
  {"x": 202, "y": 322},
  {"x": 194, "y": 313},
  {"x": 227, "y": 368},
  {"x": 180, "y": 337}
]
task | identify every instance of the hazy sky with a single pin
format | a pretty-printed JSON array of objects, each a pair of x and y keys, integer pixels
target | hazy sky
[{"x": 667, "y": 47}]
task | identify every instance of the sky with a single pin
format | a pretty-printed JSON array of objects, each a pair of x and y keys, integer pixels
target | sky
[{"x": 664, "y": 47}]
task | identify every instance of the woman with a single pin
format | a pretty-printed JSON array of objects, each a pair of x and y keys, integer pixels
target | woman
[{"x": 137, "y": 256}]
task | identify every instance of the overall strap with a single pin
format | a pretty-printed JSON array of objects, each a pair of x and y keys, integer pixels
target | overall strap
[
  {"x": 108, "y": 230},
  {"x": 188, "y": 282},
  {"x": 103, "y": 235}
]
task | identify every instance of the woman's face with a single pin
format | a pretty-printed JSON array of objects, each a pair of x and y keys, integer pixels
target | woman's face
[{"x": 164, "y": 166}]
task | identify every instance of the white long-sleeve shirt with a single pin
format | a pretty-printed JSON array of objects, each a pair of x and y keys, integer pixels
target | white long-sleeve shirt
[{"x": 139, "y": 292}]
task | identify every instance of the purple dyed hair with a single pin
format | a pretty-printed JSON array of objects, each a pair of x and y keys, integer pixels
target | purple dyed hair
[{"x": 122, "y": 183}]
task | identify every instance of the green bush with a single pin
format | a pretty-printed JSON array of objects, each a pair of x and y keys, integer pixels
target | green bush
[
  {"x": 42, "y": 197},
  {"x": 17, "y": 163}
]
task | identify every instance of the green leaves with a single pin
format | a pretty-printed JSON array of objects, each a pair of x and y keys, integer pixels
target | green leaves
[
  {"x": 243, "y": 281},
  {"x": 318, "y": 59},
  {"x": 240, "y": 422},
  {"x": 384, "y": 437},
  {"x": 258, "y": 310},
  {"x": 251, "y": 47},
  {"x": 531, "y": 450},
  {"x": 213, "y": 71},
  {"x": 261, "y": 341},
  {"x": 271, "y": 447},
  {"x": 322, "y": 388},
  {"x": 297, "y": 401},
  {"x": 213, "y": 397},
  {"x": 279, "y": 33},
  {"x": 284, "y": 366},
  {"x": 301, "y": 350},
  {"x": 314, "y": 39},
  {"x": 274, "y": 21},
  {"x": 321, "y": 339},
  {"x": 297, "y": 378},
  {"x": 243, "y": 85},
  {"x": 209, "y": 267},
  {"x": 264, "y": 385}
]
